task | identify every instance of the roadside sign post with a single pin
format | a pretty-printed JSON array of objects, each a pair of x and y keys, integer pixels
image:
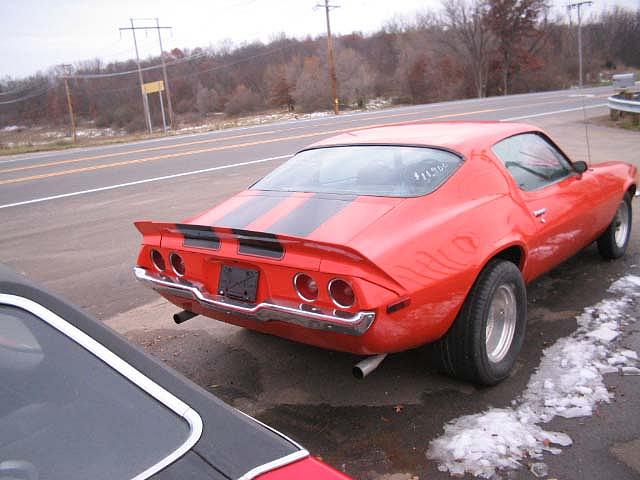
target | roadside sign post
[
  {"x": 157, "y": 87},
  {"x": 164, "y": 122}
]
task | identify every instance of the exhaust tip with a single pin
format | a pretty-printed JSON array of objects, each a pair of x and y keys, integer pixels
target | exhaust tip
[
  {"x": 183, "y": 316},
  {"x": 368, "y": 365},
  {"x": 357, "y": 372}
]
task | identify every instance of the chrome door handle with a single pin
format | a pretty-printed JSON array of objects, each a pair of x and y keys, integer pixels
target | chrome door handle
[{"x": 539, "y": 212}]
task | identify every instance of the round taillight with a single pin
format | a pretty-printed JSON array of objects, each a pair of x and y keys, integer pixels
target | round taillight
[
  {"x": 177, "y": 264},
  {"x": 341, "y": 293},
  {"x": 306, "y": 287},
  {"x": 157, "y": 260}
]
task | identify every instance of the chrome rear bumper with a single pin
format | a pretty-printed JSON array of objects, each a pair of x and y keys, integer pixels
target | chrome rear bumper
[{"x": 315, "y": 319}]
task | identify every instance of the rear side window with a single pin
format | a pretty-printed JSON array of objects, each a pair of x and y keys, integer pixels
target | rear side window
[
  {"x": 377, "y": 170},
  {"x": 532, "y": 161}
]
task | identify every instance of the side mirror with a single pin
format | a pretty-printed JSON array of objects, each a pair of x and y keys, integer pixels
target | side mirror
[{"x": 580, "y": 167}]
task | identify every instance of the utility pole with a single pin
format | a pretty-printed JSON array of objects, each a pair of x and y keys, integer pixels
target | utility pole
[
  {"x": 332, "y": 66},
  {"x": 578, "y": 6},
  {"x": 145, "y": 100},
  {"x": 166, "y": 78},
  {"x": 66, "y": 68}
]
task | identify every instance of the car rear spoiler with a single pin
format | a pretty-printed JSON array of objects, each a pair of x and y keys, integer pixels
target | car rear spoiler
[{"x": 269, "y": 246}]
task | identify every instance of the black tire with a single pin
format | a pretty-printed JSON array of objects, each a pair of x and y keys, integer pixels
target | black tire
[
  {"x": 608, "y": 246},
  {"x": 462, "y": 352}
]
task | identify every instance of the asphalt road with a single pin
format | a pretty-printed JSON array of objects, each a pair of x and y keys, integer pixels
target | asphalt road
[
  {"x": 66, "y": 222},
  {"x": 67, "y": 216},
  {"x": 36, "y": 176}
]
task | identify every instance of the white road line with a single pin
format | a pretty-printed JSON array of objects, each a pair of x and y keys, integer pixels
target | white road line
[
  {"x": 577, "y": 109},
  {"x": 181, "y": 136},
  {"x": 138, "y": 182},
  {"x": 222, "y": 167}
]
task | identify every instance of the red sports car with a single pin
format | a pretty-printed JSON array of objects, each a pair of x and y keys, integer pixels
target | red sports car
[{"x": 389, "y": 238}]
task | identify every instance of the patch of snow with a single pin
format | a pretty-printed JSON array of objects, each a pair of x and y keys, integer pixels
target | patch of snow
[
  {"x": 605, "y": 333},
  {"x": 54, "y": 134},
  {"x": 98, "y": 132},
  {"x": 568, "y": 383},
  {"x": 12, "y": 128},
  {"x": 625, "y": 283},
  {"x": 629, "y": 354},
  {"x": 539, "y": 469},
  {"x": 264, "y": 118}
]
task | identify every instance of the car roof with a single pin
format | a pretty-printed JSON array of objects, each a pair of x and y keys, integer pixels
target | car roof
[
  {"x": 231, "y": 442},
  {"x": 461, "y": 137}
]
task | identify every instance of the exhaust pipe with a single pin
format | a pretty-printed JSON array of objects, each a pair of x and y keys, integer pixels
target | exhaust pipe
[
  {"x": 183, "y": 316},
  {"x": 368, "y": 365}
]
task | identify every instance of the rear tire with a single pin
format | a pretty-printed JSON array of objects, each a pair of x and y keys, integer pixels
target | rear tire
[
  {"x": 484, "y": 341},
  {"x": 613, "y": 242}
]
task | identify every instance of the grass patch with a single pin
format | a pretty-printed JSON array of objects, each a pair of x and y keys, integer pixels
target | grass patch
[
  {"x": 625, "y": 122},
  {"x": 67, "y": 144}
]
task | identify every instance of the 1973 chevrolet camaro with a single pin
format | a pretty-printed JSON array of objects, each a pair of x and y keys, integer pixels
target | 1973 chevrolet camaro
[{"x": 389, "y": 238}]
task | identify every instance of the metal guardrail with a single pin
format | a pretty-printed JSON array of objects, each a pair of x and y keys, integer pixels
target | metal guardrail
[{"x": 624, "y": 104}]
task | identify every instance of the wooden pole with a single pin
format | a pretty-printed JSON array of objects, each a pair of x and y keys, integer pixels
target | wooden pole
[
  {"x": 332, "y": 65},
  {"x": 70, "y": 104}
]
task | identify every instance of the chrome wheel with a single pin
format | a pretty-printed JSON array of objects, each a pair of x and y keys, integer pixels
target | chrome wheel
[
  {"x": 501, "y": 322},
  {"x": 621, "y": 224}
]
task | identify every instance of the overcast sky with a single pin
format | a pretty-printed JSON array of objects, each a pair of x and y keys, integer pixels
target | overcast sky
[{"x": 36, "y": 34}]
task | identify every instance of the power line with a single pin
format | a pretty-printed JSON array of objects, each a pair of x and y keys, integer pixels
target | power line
[
  {"x": 14, "y": 92},
  {"x": 18, "y": 90},
  {"x": 185, "y": 75},
  {"x": 237, "y": 62},
  {"x": 144, "y": 69},
  {"x": 211, "y": 69},
  {"x": 27, "y": 97}
]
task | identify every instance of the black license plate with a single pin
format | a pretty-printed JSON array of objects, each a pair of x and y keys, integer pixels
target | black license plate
[{"x": 238, "y": 283}]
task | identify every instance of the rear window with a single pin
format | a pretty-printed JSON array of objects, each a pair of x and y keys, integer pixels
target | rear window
[
  {"x": 377, "y": 170},
  {"x": 65, "y": 414}
]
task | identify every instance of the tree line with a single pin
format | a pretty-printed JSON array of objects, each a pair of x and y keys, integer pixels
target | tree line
[{"x": 469, "y": 48}]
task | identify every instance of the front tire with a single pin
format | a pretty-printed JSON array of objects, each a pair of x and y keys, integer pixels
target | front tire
[
  {"x": 613, "y": 242},
  {"x": 484, "y": 341}
]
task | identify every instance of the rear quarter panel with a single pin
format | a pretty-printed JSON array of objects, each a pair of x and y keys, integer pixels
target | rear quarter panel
[
  {"x": 615, "y": 179},
  {"x": 443, "y": 240}
]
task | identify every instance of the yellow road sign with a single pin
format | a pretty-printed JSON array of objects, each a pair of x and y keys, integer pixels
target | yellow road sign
[{"x": 153, "y": 87}]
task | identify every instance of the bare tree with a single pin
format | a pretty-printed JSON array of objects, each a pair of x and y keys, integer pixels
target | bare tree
[
  {"x": 243, "y": 100},
  {"x": 513, "y": 22},
  {"x": 355, "y": 77},
  {"x": 207, "y": 100},
  {"x": 279, "y": 88},
  {"x": 311, "y": 92},
  {"x": 469, "y": 36}
]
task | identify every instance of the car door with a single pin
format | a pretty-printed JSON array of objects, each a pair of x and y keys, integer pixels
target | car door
[{"x": 557, "y": 198}]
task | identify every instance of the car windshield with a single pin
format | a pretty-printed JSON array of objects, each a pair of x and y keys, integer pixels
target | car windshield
[
  {"x": 378, "y": 170},
  {"x": 65, "y": 414}
]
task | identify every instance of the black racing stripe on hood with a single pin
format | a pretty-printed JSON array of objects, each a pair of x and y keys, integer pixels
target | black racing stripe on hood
[
  {"x": 199, "y": 236},
  {"x": 310, "y": 215},
  {"x": 250, "y": 211}
]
